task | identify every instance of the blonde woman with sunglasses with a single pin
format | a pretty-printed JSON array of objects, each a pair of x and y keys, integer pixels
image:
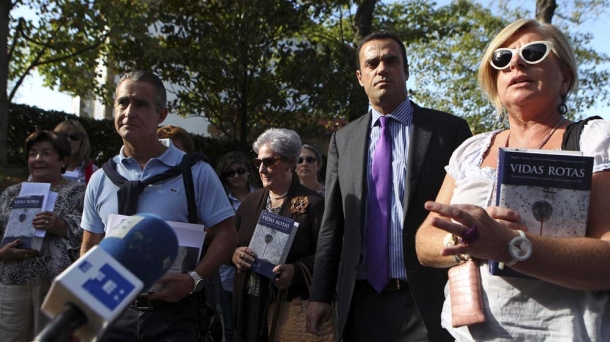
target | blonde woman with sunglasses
[
  {"x": 80, "y": 167},
  {"x": 278, "y": 151},
  {"x": 528, "y": 72}
]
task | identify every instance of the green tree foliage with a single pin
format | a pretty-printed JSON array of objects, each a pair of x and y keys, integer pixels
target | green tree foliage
[
  {"x": 248, "y": 65},
  {"x": 65, "y": 41},
  {"x": 242, "y": 64}
]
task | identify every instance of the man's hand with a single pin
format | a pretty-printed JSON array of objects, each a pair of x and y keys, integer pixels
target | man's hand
[
  {"x": 317, "y": 314},
  {"x": 175, "y": 288}
]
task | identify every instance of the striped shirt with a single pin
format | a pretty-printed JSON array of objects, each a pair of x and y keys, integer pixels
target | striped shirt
[{"x": 400, "y": 130}]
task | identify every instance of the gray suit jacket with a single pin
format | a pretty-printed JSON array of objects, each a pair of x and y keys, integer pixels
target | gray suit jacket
[{"x": 434, "y": 136}]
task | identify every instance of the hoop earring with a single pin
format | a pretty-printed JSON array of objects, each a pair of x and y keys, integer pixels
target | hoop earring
[{"x": 562, "y": 106}]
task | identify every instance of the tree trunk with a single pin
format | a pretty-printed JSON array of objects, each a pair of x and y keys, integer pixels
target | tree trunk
[
  {"x": 364, "y": 18},
  {"x": 545, "y": 10},
  {"x": 5, "y": 9}
]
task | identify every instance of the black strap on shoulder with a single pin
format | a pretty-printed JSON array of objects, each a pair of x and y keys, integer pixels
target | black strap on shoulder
[
  {"x": 571, "y": 137},
  {"x": 188, "y": 161},
  {"x": 129, "y": 191}
]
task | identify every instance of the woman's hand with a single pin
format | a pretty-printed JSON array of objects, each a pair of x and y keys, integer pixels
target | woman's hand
[
  {"x": 494, "y": 229},
  {"x": 242, "y": 258},
  {"x": 49, "y": 221},
  {"x": 284, "y": 275},
  {"x": 506, "y": 217},
  {"x": 11, "y": 252}
]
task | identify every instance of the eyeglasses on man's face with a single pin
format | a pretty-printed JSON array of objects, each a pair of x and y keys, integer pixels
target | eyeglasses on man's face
[
  {"x": 532, "y": 53},
  {"x": 268, "y": 162},
  {"x": 231, "y": 173},
  {"x": 308, "y": 159}
]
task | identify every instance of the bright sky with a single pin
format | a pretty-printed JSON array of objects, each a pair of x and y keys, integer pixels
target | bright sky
[{"x": 33, "y": 93}]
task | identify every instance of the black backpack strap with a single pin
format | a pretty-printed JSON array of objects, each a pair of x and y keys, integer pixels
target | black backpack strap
[
  {"x": 188, "y": 161},
  {"x": 571, "y": 137}
]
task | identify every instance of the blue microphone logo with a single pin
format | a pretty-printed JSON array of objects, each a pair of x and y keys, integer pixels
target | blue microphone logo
[{"x": 109, "y": 287}]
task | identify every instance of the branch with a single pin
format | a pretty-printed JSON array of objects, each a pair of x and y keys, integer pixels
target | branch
[
  {"x": 18, "y": 30},
  {"x": 76, "y": 53},
  {"x": 24, "y": 75},
  {"x": 545, "y": 9},
  {"x": 36, "y": 62}
]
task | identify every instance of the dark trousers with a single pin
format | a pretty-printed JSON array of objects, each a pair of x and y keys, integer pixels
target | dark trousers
[
  {"x": 382, "y": 317},
  {"x": 175, "y": 322},
  {"x": 227, "y": 319}
]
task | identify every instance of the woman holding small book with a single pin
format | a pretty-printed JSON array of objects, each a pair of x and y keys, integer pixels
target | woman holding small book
[
  {"x": 278, "y": 151},
  {"x": 528, "y": 71},
  {"x": 26, "y": 274}
]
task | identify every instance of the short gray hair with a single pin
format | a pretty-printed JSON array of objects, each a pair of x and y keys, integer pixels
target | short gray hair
[
  {"x": 152, "y": 79},
  {"x": 282, "y": 141}
]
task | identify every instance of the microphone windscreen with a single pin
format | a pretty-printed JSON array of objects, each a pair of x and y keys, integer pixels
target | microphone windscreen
[{"x": 145, "y": 245}]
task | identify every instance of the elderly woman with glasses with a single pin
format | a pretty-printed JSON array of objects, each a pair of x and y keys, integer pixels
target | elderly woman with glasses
[
  {"x": 528, "y": 71},
  {"x": 309, "y": 166},
  {"x": 278, "y": 152},
  {"x": 26, "y": 274},
  {"x": 80, "y": 167}
]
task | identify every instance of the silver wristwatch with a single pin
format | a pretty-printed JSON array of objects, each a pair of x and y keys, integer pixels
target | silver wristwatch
[
  {"x": 519, "y": 248},
  {"x": 198, "y": 281}
]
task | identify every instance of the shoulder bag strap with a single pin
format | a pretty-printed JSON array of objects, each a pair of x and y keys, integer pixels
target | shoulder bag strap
[{"x": 571, "y": 137}]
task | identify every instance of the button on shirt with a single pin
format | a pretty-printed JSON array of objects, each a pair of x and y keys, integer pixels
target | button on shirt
[{"x": 399, "y": 125}]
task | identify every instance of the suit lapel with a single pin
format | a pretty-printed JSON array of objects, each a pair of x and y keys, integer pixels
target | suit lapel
[
  {"x": 360, "y": 157},
  {"x": 421, "y": 133}
]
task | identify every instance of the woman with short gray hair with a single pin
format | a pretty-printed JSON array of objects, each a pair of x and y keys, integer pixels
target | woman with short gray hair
[{"x": 278, "y": 151}]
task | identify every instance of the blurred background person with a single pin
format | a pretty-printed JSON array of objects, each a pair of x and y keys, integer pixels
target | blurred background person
[
  {"x": 80, "y": 167},
  {"x": 278, "y": 152},
  {"x": 25, "y": 274},
  {"x": 234, "y": 172},
  {"x": 309, "y": 166},
  {"x": 179, "y": 137},
  {"x": 527, "y": 71}
]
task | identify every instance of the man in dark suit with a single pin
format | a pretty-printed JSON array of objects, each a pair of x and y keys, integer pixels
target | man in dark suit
[{"x": 395, "y": 299}]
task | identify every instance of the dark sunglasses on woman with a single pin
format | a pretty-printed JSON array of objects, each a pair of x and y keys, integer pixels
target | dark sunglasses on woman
[
  {"x": 74, "y": 137},
  {"x": 532, "y": 53},
  {"x": 231, "y": 173},
  {"x": 268, "y": 162},
  {"x": 309, "y": 160}
]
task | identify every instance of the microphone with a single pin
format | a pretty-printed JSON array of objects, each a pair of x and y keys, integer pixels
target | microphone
[{"x": 91, "y": 293}]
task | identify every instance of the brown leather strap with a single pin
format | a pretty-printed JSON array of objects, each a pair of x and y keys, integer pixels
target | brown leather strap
[{"x": 279, "y": 298}]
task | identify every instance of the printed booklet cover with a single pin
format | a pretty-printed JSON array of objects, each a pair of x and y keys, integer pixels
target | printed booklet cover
[
  {"x": 20, "y": 224},
  {"x": 549, "y": 189},
  {"x": 271, "y": 242}
]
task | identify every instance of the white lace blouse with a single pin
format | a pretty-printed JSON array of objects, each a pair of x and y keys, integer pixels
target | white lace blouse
[{"x": 527, "y": 309}]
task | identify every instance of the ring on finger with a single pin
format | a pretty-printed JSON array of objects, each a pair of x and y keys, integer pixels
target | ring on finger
[
  {"x": 471, "y": 235},
  {"x": 46, "y": 221}
]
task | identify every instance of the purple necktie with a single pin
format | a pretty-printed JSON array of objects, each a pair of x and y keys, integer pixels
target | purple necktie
[{"x": 378, "y": 219}]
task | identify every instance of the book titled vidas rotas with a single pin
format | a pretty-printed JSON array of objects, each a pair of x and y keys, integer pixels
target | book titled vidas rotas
[
  {"x": 550, "y": 189},
  {"x": 271, "y": 242},
  {"x": 20, "y": 224}
]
